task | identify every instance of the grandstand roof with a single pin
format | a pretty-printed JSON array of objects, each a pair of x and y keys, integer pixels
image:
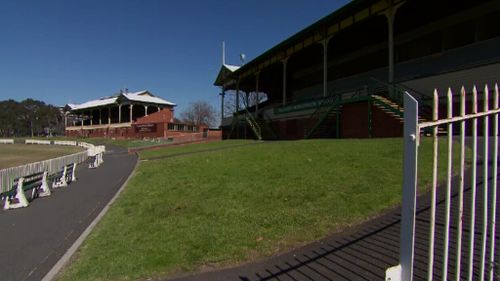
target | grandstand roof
[
  {"x": 225, "y": 70},
  {"x": 353, "y": 12},
  {"x": 141, "y": 96}
]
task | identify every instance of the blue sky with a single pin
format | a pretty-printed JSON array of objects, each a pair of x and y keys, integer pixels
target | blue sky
[{"x": 62, "y": 51}]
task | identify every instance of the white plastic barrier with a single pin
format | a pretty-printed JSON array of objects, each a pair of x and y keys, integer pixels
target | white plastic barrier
[
  {"x": 96, "y": 153},
  {"x": 70, "y": 143},
  {"x": 51, "y": 166},
  {"x": 6, "y": 141},
  {"x": 37, "y": 142}
]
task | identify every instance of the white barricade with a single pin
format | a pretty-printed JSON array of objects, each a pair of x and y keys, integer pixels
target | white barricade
[
  {"x": 70, "y": 143},
  {"x": 37, "y": 141},
  {"x": 51, "y": 166},
  {"x": 6, "y": 141}
]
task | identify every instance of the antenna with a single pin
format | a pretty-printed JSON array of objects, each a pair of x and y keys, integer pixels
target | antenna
[
  {"x": 242, "y": 58},
  {"x": 223, "y": 52}
]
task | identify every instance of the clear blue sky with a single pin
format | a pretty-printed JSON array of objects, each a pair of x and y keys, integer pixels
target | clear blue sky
[{"x": 62, "y": 51}]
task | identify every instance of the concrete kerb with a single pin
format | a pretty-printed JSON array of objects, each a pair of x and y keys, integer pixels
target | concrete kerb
[{"x": 72, "y": 250}]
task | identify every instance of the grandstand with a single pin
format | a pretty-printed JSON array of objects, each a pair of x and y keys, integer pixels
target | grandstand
[
  {"x": 343, "y": 76},
  {"x": 129, "y": 115}
]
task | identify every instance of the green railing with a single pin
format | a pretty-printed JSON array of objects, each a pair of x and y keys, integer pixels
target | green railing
[
  {"x": 253, "y": 124},
  {"x": 332, "y": 103}
]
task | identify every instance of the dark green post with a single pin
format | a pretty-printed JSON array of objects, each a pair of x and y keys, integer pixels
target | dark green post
[
  {"x": 369, "y": 113},
  {"x": 337, "y": 121}
]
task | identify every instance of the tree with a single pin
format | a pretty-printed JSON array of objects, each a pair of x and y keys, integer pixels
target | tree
[
  {"x": 29, "y": 118},
  {"x": 230, "y": 101},
  {"x": 200, "y": 113}
]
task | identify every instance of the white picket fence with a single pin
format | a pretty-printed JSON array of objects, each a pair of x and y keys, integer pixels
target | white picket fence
[
  {"x": 51, "y": 166},
  {"x": 465, "y": 233}
]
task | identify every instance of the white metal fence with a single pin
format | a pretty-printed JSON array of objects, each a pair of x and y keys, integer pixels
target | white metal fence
[
  {"x": 51, "y": 166},
  {"x": 6, "y": 141},
  {"x": 29, "y": 141},
  {"x": 460, "y": 259}
]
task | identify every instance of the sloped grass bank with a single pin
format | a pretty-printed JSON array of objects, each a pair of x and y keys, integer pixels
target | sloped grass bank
[
  {"x": 192, "y": 148},
  {"x": 240, "y": 204}
]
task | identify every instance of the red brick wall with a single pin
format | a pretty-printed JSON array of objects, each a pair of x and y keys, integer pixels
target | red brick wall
[
  {"x": 354, "y": 120},
  {"x": 384, "y": 125},
  {"x": 165, "y": 115}
]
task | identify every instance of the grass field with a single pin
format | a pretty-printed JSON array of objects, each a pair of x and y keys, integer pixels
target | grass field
[
  {"x": 228, "y": 206},
  {"x": 192, "y": 148},
  {"x": 12, "y": 155}
]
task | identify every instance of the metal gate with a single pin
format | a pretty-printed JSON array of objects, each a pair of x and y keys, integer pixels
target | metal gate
[{"x": 467, "y": 240}]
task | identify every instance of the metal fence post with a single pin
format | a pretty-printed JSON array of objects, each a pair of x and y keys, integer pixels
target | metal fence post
[{"x": 411, "y": 139}]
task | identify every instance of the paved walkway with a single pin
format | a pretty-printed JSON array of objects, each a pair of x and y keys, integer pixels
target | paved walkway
[
  {"x": 33, "y": 239},
  {"x": 366, "y": 251}
]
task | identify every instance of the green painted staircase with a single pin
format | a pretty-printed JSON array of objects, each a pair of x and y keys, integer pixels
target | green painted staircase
[
  {"x": 396, "y": 111},
  {"x": 325, "y": 117}
]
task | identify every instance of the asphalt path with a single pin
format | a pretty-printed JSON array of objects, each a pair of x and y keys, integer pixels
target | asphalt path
[{"x": 33, "y": 239}]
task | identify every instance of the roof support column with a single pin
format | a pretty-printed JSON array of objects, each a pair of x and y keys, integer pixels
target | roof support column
[
  {"x": 237, "y": 108},
  {"x": 119, "y": 113},
  {"x": 109, "y": 115},
  {"x": 222, "y": 94},
  {"x": 157, "y": 109},
  {"x": 256, "y": 92},
  {"x": 145, "y": 110},
  {"x": 91, "y": 117},
  {"x": 390, "y": 14},
  {"x": 131, "y": 113},
  {"x": 237, "y": 105},
  {"x": 325, "y": 65},
  {"x": 65, "y": 120},
  {"x": 100, "y": 116},
  {"x": 285, "y": 63}
]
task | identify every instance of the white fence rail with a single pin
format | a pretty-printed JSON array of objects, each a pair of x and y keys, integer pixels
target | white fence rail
[
  {"x": 70, "y": 143},
  {"x": 6, "y": 141},
  {"x": 474, "y": 258},
  {"x": 37, "y": 141},
  {"x": 51, "y": 166}
]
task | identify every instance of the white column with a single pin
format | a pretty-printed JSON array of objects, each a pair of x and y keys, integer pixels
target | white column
[
  {"x": 100, "y": 116},
  {"x": 145, "y": 110},
  {"x": 131, "y": 107},
  {"x": 158, "y": 109},
  {"x": 390, "y": 15},
  {"x": 91, "y": 117},
  {"x": 285, "y": 63},
  {"x": 109, "y": 115}
]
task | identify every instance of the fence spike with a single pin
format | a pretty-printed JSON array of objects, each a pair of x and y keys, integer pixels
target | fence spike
[{"x": 430, "y": 269}]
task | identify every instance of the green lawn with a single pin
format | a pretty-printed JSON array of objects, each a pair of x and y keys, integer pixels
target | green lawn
[
  {"x": 191, "y": 148},
  {"x": 12, "y": 155},
  {"x": 228, "y": 206}
]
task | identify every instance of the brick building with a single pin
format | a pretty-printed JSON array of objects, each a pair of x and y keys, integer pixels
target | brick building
[
  {"x": 344, "y": 75},
  {"x": 129, "y": 115}
]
